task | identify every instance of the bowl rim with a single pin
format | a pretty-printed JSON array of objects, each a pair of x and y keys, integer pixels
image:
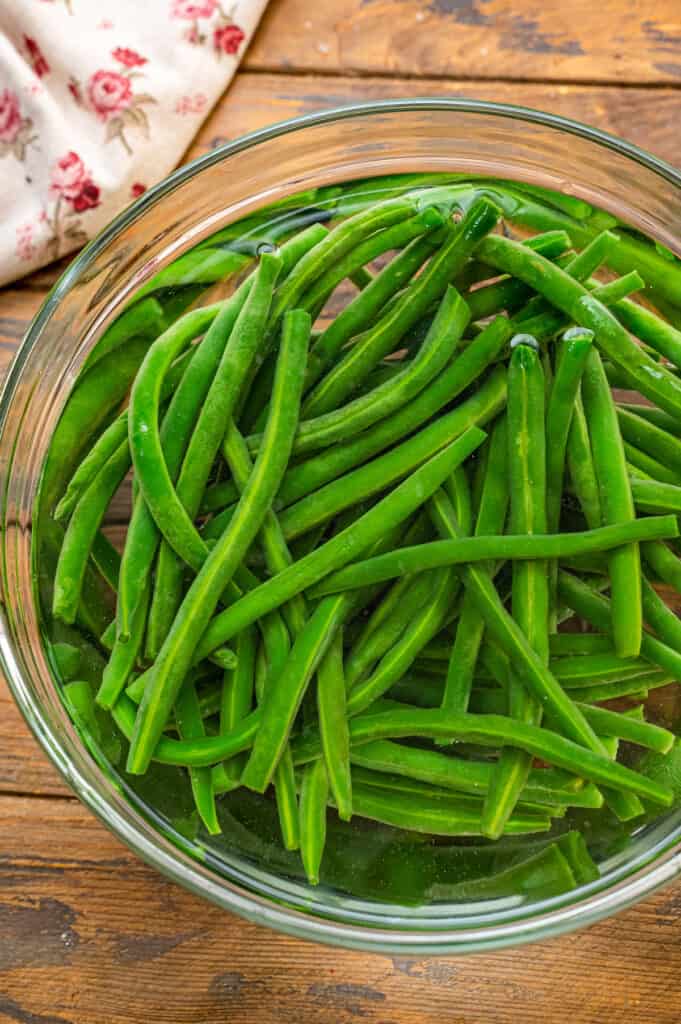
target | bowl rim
[{"x": 649, "y": 873}]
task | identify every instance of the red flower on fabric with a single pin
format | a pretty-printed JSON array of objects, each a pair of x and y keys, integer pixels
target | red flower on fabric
[
  {"x": 68, "y": 176},
  {"x": 10, "y": 116},
  {"x": 87, "y": 198},
  {"x": 109, "y": 92},
  {"x": 38, "y": 62},
  {"x": 129, "y": 58},
  {"x": 228, "y": 39},
  {"x": 72, "y": 182},
  {"x": 137, "y": 189},
  {"x": 193, "y": 9}
]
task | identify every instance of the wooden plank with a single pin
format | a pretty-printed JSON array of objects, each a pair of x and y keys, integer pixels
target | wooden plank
[
  {"x": 75, "y": 949},
  {"x": 24, "y": 768},
  {"x": 647, "y": 117},
  {"x": 611, "y": 41}
]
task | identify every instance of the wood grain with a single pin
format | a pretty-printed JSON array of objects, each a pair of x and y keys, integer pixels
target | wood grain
[
  {"x": 580, "y": 41},
  {"x": 647, "y": 117},
  {"x": 75, "y": 949}
]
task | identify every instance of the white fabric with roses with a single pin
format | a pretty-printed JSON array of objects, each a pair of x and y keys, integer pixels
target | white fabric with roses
[{"x": 99, "y": 100}]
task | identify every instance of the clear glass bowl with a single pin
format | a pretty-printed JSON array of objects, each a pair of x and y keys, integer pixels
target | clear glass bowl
[{"x": 357, "y": 142}]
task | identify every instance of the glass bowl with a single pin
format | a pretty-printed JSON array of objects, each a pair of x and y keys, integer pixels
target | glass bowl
[{"x": 356, "y": 142}]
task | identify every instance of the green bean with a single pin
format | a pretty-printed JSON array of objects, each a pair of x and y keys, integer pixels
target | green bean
[
  {"x": 197, "y": 266},
  {"x": 570, "y": 645},
  {"x": 383, "y": 337},
  {"x": 512, "y": 640},
  {"x": 283, "y": 699},
  {"x": 104, "y": 448},
  {"x": 165, "y": 503},
  {"x": 643, "y": 465},
  {"x": 657, "y": 417},
  {"x": 359, "y": 313},
  {"x": 479, "y": 408},
  {"x": 395, "y": 614},
  {"x": 143, "y": 535},
  {"x": 617, "y": 506},
  {"x": 333, "y": 725},
  {"x": 313, "y": 797},
  {"x": 651, "y": 329},
  {"x": 190, "y": 727},
  {"x": 491, "y": 518},
  {"x": 574, "y": 672},
  {"x": 509, "y": 293},
  {"x": 596, "y": 610},
  {"x": 663, "y": 620},
  {"x": 568, "y": 295},
  {"x": 141, "y": 319},
  {"x": 123, "y": 657},
  {"x": 80, "y": 534},
  {"x": 570, "y": 365},
  {"x": 530, "y": 590},
  {"x": 391, "y": 510},
  {"x": 581, "y": 467},
  {"x": 635, "y": 689},
  {"x": 345, "y": 237},
  {"x": 593, "y": 255},
  {"x": 462, "y": 775},
  {"x": 212, "y": 423},
  {"x": 494, "y": 730},
  {"x": 651, "y": 439},
  {"x": 437, "y": 816},
  {"x": 664, "y": 563},
  {"x": 521, "y": 547},
  {"x": 371, "y": 478},
  {"x": 367, "y": 409},
  {"x": 425, "y": 625},
  {"x": 94, "y": 399},
  {"x": 237, "y": 691},
  {"x": 197, "y": 607},
  {"x": 653, "y": 496},
  {"x": 106, "y": 559}
]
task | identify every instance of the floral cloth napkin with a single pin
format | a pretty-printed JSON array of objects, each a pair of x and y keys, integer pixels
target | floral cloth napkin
[{"x": 98, "y": 100}]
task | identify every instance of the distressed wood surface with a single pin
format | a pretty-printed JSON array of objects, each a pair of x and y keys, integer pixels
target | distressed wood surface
[
  {"x": 74, "y": 947},
  {"x": 519, "y": 40}
]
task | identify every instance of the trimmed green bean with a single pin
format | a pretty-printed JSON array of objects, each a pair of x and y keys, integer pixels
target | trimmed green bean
[
  {"x": 202, "y": 597},
  {"x": 617, "y": 506},
  {"x": 522, "y": 547},
  {"x": 191, "y": 727},
  {"x": 313, "y": 797},
  {"x": 568, "y": 295},
  {"x": 530, "y": 589},
  {"x": 333, "y": 725},
  {"x": 384, "y": 336},
  {"x": 393, "y": 509}
]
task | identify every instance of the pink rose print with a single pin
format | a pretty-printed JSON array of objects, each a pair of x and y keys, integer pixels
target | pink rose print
[
  {"x": 112, "y": 97},
  {"x": 25, "y": 247},
  {"x": 195, "y": 104},
  {"x": 228, "y": 39},
  {"x": 38, "y": 62},
  {"x": 193, "y": 9},
  {"x": 109, "y": 92},
  {"x": 15, "y": 130},
  {"x": 75, "y": 192},
  {"x": 137, "y": 189},
  {"x": 226, "y": 36},
  {"x": 129, "y": 58},
  {"x": 68, "y": 176},
  {"x": 10, "y": 116}
]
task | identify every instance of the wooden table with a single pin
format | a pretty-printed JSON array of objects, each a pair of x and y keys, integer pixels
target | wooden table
[{"x": 88, "y": 934}]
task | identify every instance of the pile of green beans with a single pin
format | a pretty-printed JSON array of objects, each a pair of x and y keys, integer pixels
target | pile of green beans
[{"x": 363, "y": 550}]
